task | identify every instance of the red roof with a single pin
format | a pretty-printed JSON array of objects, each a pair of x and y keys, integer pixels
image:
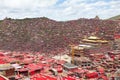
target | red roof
[
  {"x": 1, "y": 78},
  {"x": 117, "y": 36},
  {"x": 2, "y": 61},
  {"x": 69, "y": 78},
  {"x": 92, "y": 75},
  {"x": 33, "y": 67},
  {"x": 43, "y": 77}
]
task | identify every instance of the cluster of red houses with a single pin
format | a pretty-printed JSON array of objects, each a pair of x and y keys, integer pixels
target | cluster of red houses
[{"x": 35, "y": 66}]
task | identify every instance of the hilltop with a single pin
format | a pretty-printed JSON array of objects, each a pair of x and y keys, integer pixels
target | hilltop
[{"x": 115, "y": 17}]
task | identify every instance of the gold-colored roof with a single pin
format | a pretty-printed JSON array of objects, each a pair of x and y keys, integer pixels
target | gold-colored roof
[{"x": 95, "y": 39}]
